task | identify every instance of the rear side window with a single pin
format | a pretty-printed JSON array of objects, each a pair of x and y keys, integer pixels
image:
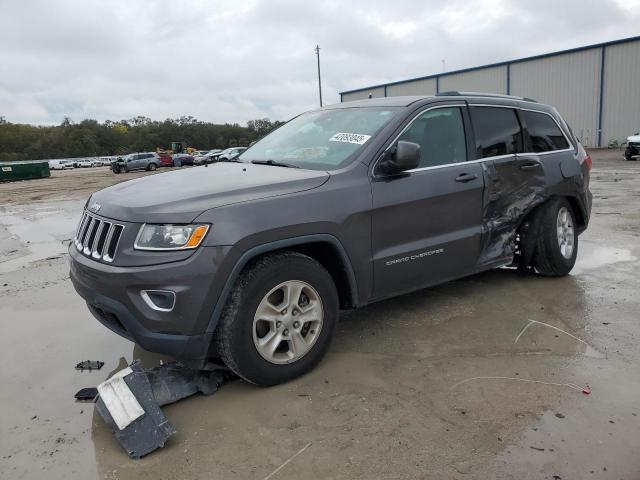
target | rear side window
[
  {"x": 544, "y": 133},
  {"x": 440, "y": 134},
  {"x": 497, "y": 131}
]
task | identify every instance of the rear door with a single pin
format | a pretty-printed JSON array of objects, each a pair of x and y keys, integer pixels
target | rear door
[
  {"x": 547, "y": 145},
  {"x": 426, "y": 223},
  {"x": 515, "y": 182}
]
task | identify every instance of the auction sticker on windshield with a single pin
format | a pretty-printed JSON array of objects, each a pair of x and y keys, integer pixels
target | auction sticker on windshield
[{"x": 350, "y": 138}]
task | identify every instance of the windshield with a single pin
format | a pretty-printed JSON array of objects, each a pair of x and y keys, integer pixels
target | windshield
[{"x": 323, "y": 140}]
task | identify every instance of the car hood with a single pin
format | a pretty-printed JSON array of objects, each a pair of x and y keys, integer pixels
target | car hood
[
  {"x": 180, "y": 196},
  {"x": 634, "y": 139}
]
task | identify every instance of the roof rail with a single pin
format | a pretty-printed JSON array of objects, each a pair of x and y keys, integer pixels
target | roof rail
[{"x": 455, "y": 93}]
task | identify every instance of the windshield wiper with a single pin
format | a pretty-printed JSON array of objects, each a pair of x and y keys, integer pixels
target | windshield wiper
[{"x": 274, "y": 163}]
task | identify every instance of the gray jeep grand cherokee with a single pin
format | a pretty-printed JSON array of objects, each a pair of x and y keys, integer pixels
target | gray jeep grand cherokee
[{"x": 250, "y": 262}]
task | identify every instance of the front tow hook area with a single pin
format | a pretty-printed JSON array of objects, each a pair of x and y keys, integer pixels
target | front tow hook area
[{"x": 130, "y": 400}]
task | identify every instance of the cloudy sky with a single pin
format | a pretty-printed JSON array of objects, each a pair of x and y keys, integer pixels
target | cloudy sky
[{"x": 231, "y": 61}]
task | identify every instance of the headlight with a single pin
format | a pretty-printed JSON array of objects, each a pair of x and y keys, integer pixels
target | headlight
[{"x": 170, "y": 237}]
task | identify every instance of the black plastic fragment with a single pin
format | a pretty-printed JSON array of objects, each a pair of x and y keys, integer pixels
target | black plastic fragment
[
  {"x": 87, "y": 394},
  {"x": 89, "y": 365},
  {"x": 153, "y": 388}
]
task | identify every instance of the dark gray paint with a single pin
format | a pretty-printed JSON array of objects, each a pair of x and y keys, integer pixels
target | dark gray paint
[{"x": 369, "y": 221}]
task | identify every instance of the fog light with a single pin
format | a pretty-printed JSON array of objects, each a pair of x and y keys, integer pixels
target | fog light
[{"x": 160, "y": 300}]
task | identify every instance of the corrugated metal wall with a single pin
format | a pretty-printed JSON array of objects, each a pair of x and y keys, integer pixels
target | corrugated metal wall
[
  {"x": 571, "y": 81},
  {"x": 418, "y": 87},
  {"x": 364, "y": 94},
  {"x": 621, "y": 102},
  {"x": 487, "y": 80}
]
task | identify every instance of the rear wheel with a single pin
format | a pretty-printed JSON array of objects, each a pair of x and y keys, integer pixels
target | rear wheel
[
  {"x": 557, "y": 245},
  {"x": 152, "y": 167},
  {"x": 279, "y": 319}
]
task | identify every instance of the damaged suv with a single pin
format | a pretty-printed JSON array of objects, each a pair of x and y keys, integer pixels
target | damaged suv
[{"x": 250, "y": 261}]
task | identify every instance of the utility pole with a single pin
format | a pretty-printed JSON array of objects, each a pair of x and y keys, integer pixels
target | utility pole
[{"x": 319, "y": 80}]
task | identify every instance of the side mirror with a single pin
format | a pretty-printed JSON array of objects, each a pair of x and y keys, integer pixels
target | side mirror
[{"x": 405, "y": 156}]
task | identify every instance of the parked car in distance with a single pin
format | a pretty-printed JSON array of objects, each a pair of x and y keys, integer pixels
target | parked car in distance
[
  {"x": 84, "y": 163},
  {"x": 166, "y": 160},
  {"x": 230, "y": 154},
  {"x": 181, "y": 159},
  {"x": 103, "y": 162},
  {"x": 250, "y": 262},
  {"x": 207, "y": 157},
  {"x": 632, "y": 152},
  {"x": 136, "y": 161},
  {"x": 58, "y": 165}
]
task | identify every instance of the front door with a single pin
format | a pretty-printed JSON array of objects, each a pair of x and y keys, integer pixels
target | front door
[
  {"x": 515, "y": 181},
  {"x": 426, "y": 223}
]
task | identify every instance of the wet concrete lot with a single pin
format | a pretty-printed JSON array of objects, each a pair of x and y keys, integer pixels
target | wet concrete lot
[{"x": 466, "y": 380}]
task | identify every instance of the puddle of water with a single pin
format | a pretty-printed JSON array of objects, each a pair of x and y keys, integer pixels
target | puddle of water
[
  {"x": 595, "y": 257},
  {"x": 41, "y": 230}
]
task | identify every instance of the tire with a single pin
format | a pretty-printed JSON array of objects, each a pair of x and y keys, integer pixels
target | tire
[
  {"x": 124, "y": 169},
  {"x": 240, "y": 330},
  {"x": 152, "y": 167},
  {"x": 551, "y": 259}
]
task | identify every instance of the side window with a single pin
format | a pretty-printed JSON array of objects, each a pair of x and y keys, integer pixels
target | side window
[
  {"x": 497, "y": 131},
  {"x": 544, "y": 133},
  {"x": 440, "y": 134}
]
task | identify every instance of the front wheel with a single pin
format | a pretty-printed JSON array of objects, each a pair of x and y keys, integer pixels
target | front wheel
[
  {"x": 279, "y": 319},
  {"x": 557, "y": 245}
]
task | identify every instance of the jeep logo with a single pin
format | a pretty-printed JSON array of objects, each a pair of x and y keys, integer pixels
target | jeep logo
[{"x": 95, "y": 207}]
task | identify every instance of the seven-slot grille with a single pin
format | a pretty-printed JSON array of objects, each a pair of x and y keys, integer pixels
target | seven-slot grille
[{"x": 97, "y": 238}]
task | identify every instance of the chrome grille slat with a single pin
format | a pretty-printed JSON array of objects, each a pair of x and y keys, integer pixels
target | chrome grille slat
[
  {"x": 91, "y": 231},
  {"x": 107, "y": 242},
  {"x": 101, "y": 237},
  {"x": 112, "y": 247},
  {"x": 97, "y": 238},
  {"x": 82, "y": 220},
  {"x": 82, "y": 231}
]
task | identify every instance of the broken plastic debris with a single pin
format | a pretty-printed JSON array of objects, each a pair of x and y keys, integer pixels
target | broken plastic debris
[
  {"x": 133, "y": 397},
  {"x": 586, "y": 390},
  {"x": 89, "y": 365},
  {"x": 87, "y": 394}
]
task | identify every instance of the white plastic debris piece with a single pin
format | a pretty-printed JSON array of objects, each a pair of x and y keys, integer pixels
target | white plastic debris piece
[{"x": 119, "y": 400}]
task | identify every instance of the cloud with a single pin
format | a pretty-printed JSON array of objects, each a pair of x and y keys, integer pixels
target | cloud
[{"x": 230, "y": 61}]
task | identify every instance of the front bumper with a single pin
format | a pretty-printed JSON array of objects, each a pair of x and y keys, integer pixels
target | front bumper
[
  {"x": 113, "y": 296},
  {"x": 632, "y": 151}
]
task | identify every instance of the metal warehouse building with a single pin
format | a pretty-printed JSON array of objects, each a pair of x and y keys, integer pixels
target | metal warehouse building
[{"x": 596, "y": 88}]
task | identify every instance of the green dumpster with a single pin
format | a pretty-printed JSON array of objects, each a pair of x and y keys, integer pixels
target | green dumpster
[{"x": 14, "y": 171}]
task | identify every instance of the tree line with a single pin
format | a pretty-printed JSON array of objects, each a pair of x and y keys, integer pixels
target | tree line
[{"x": 90, "y": 138}]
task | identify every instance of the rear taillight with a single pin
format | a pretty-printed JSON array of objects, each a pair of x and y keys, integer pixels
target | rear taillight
[{"x": 588, "y": 162}]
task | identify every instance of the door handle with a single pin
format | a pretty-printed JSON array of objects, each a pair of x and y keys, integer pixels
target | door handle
[
  {"x": 529, "y": 166},
  {"x": 466, "y": 177}
]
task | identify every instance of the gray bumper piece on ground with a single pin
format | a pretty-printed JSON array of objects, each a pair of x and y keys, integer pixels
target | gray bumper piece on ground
[{"x": 130, "y": 402}]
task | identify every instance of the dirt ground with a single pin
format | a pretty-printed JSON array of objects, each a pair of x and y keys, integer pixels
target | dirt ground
[
  {"x": 64, "y": 184},
  {"x": 458, "y": 381}
]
